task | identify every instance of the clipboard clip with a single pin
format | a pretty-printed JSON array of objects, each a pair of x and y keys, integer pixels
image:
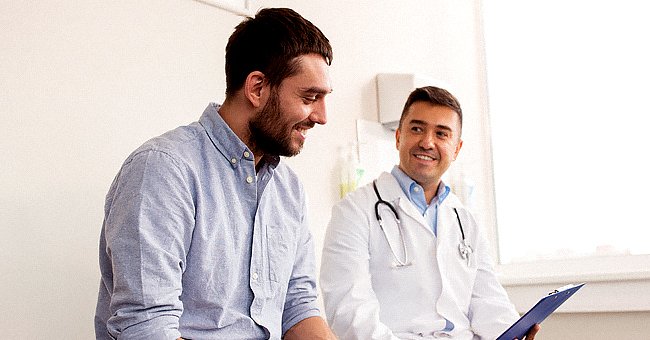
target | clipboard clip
[{"x": 563, "y": 288}]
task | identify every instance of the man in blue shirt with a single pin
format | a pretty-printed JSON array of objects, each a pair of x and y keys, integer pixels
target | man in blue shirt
[{"x": 205, "y": 234}]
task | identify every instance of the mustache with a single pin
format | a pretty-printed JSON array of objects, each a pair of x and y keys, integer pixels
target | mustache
[
  {"x": 306, "y": 124},
  {"x": 428, "y": 152}
]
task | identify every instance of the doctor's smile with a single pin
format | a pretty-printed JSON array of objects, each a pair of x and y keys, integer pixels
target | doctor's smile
[
  {"x": 407, "y": 240},
  {"x": 425, "y": 157}
]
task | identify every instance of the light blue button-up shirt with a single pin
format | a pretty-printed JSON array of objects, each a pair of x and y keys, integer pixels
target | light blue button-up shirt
[
  {"x": 415, "y": 194},
  {"x": 195, "y": 243}
]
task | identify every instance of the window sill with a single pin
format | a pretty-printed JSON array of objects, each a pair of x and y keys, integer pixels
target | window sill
[{"x": 614, "y": 284}]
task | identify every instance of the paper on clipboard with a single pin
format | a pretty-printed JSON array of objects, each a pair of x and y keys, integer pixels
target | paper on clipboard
[{"x": 544, "y": 307}]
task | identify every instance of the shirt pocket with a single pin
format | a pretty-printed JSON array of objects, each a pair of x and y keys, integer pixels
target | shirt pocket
[{"x": 281, "y": 252}]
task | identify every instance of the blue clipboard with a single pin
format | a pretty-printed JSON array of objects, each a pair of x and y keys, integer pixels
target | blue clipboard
[{"x": 544, "y": 307}]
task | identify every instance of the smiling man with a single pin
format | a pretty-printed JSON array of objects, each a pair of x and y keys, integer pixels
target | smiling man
[
  {"x": 205, "y": 234},
  {"x": 403, "y": 258}
]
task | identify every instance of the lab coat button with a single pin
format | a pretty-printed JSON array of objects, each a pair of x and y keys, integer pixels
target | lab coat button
[
  {"x": 247, "y": 154},
  {"x": 255, "y": 276},
  {"x": 249, "y": 179}
]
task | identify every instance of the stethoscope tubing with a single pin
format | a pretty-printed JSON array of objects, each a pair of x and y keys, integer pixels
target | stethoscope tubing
[{"x": 463, "y": 247}]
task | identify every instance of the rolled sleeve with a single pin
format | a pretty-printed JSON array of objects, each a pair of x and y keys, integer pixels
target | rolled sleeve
[
  {"x": 301, "y": 292},
  {"x": 147, "y": 232}
]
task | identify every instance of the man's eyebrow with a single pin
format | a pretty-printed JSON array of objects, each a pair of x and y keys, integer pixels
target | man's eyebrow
[
  {"x": 422, "y": 122},
  {"x": 317, "y": 90},
  {"x": 417, "y": 121}
]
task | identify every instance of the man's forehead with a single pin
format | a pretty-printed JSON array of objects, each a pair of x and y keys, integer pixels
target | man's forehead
[{"x": 312, "y": 76}]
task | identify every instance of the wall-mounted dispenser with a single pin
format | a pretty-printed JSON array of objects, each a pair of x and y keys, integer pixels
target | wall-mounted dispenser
[{"x": 393, "y": 90}]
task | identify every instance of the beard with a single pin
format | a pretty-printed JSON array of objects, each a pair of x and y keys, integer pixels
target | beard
[{"x": 270, "y": 132}]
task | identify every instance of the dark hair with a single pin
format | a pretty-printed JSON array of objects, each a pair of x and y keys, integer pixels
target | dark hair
[
  {"x": 270, "y": 43},
  {"x": 435, "y": 96}
]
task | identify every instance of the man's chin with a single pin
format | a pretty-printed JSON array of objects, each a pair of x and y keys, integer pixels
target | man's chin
[{"x": 293, "y": 150}]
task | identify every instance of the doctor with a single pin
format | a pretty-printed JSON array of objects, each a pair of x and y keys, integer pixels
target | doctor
[{"x": 402, "y": 257}]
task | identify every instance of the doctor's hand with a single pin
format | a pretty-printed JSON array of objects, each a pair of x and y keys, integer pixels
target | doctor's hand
[{"x": 531, "y": 332}]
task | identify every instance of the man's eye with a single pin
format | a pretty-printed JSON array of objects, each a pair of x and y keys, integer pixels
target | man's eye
[
  {"x": 309, "y": 100},
  {"x": 442, "y": 134},
  {"x": 416, "y": 129}
]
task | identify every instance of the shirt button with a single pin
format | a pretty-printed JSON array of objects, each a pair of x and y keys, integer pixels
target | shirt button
[
  {"x": 247, "y": 154},
  {"x": 416, "y": 189},
  {"x": 249, "y": 179},
  {"x": 255, "y": 276},
  {"x": 233, "y": 161}
]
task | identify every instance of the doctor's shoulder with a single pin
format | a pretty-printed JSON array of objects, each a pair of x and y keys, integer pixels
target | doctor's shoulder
[
  {"x": 452, "y": 202},
  {"x": 357, "y": 203}
]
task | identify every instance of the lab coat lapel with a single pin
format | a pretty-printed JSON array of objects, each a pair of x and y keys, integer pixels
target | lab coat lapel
[{"x": 394, "y": 194}]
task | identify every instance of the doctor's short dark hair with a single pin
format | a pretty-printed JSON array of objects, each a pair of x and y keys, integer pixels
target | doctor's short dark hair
[
  {"x": 435, "y": 96},
  {"x": 270, "y": 43}
]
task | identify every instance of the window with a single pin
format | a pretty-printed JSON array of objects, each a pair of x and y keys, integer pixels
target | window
[{"x": 568, "y": 85}]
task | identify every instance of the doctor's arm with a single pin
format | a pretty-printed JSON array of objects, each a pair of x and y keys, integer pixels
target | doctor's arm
[
  {"x": 351, "y": 306},
  {"x": 490, "y": 311}
]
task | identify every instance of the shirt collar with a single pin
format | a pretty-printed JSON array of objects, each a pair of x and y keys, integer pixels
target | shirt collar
[
  {"x": 227, "y": 142},
  {"x": 414, "y": 192}
]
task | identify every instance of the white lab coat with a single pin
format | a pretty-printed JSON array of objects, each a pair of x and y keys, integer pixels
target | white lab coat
[{"x": 367, "y": 297}]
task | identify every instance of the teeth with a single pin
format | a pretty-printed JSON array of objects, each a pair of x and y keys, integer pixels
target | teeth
[{"x": 424, "y": 157}]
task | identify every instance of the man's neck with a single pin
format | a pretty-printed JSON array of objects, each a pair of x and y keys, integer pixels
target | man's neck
[{"x": 237, "y": 114}]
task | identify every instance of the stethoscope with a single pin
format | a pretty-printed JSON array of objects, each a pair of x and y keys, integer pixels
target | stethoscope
[{"x": 464, "y": 249}]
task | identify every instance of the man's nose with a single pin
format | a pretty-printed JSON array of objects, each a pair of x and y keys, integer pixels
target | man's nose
[
  {"x": 319, "y": 114},
  {"x": 427, "y": 141}
]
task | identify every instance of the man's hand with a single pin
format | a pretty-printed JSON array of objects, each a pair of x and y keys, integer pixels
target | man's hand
[
  {"x": 310, "y": 328},
  {"x": 531, "y": 333}
]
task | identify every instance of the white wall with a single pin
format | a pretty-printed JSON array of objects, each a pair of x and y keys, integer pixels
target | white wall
[{"x": 82, "y": 83}]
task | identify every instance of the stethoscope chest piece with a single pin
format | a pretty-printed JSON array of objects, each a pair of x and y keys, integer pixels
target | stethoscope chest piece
[
  {"x": 464, "y": 248},
  {"x": 465, "y": 251}
]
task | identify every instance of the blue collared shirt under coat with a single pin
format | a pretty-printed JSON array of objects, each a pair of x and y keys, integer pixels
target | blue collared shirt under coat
[
  {"x": 195, "y": 243},
  {"x": 415, "y": 194}
]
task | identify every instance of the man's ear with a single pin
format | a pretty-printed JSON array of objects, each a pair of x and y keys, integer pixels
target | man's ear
[
  {"x": 254, "y": 88},
  {"x": 397, "y": 138},
  {"x": 458, "y": 146}
]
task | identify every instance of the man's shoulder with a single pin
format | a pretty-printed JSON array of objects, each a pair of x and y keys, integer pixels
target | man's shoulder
[
  {"x": 176, "y": 143},
  {"x": 177, "y": 138}
]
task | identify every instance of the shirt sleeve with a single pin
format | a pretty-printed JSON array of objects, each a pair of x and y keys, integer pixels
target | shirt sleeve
[
  {"x": 148, "y": 225},
  {"x": 490, "y": 310},
  {"x": 301, "y": 291},
  {"x": 351, "y": 305}
]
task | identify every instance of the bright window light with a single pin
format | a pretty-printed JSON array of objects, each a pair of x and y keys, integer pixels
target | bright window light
[{"x": 569, "y": 93}]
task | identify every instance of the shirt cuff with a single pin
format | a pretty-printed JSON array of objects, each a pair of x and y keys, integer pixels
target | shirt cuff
[{"x": 297, "y": 314}]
